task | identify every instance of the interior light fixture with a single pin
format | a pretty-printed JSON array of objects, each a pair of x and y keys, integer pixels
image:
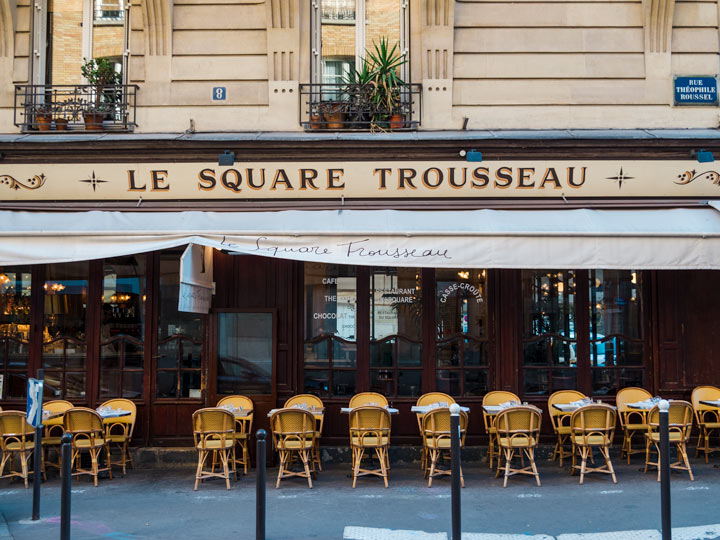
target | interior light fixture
[
  {"x": 473, "y": 155},
  {"x": 703, "y": 156},
  {"x": 226, "y": 159}
]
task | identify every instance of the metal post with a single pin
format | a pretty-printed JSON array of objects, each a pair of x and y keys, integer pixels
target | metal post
[
  {"x": 65, "y": 491},
  {"x": 664, "y": 407},
  {"x": 455, "y": 468},
  {"x": 260, "y": 486},
  {"x": 37, "y": 458}
]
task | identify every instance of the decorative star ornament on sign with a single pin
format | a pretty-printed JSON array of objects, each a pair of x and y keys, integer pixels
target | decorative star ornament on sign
[
  {"x": 93, "y": 181},
  {"x": 620, "y": 178}
]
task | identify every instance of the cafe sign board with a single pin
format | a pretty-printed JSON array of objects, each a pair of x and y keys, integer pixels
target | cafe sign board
[
  {"x": 357, "y": 180},
  {"x": 696, "y": 90}
]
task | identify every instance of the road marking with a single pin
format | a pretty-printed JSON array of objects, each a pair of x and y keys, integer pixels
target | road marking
[
  {"x": 611, "y": 491},
  {"x": 368, "y": 533},
  {"x": 529, "y": 496},
  {"x": 614, "y": 535},
  {"x": 697, "y": 488}
]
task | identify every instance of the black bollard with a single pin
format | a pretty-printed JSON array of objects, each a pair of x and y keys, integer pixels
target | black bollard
[
  {"x": 37, "y": 458},
  {"x": 65, "y": 493},
  {"x": 455, "y": 468},
  {"x": 664, "y": 407},
  {"x": 260, "y": 486}
]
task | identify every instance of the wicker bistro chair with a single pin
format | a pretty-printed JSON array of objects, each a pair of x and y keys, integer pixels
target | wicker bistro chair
[
  {"x": 310, "y": 400},
  {"x": 88, "y": 434},
  {"x": 370, "y": 430},
  {"x": 243, "y": 428},
  {"x": 213, "y": 432},
  {"x": 561, "y": 421},
  {"x": 119, "y": 430},
  {"x": 632, "y": 421},
  {"x": 593, "y": 426},
  {"x": 53, "y": 430},
  {"x": 429, "y": 399},
  {"x": 496, "y": 397},
  {"x": 436, "y": 440},
  {"x": 368, "y": 398},
  {"x": 16, "y": 439},
  {"x": 707, "y": 417},
  {"x": 518, "y": 430},
  {"x": 680, "y": 422},
  {"x": 293, "y": 432}
]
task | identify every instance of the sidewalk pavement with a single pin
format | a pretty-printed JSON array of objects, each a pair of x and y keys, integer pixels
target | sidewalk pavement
[{"x": 161, "y": 504}]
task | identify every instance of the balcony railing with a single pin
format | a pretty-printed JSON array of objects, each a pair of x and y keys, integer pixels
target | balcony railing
[
  {"x": 354, "y": 107},
  {"x": 59, "y": 107}
]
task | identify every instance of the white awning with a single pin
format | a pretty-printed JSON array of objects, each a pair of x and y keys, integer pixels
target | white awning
[{"x": 680, "y": 238}]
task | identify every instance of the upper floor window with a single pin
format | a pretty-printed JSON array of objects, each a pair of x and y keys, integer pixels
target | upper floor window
[{"x": 109, "y": 11}]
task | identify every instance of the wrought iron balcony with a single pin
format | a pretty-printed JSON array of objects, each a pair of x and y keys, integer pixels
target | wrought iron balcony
[
  {"x": 358, "y": 107},
  {"x": 61, "y": 107}
]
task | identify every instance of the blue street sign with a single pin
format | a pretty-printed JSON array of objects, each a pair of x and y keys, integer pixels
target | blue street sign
[
  {"x": 34, "y": 402},
  {"x": 696, "y": 90},
  {"x": 219, "y": 93}
]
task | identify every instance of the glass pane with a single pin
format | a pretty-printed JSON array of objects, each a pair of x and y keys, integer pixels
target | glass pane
[
  {"x": 476, "y": 382},
  {"x": 631, "y": 353},
  {"x": 110, "y": 380},
  {"x": 16, "y": 385},
  {"x": 168, "y": 354},
  {"x": 631, "y": 377},
  {"x": 17, "y": 354},
  {"x": 190, "y": 385},
  {"x": 52, "y": 387},
  {"x": 382, "y": 381},
  {"x": 563, "y": 352},
  {"x": 53, "y": 354},
  {"x": 316, "y": 382},
  {"x": 603, "y": 381},
  {"x": 476, "y": 354},
  {"x": 15, "y": 286},
  {"x": 109, "y": 361},
  {"x": 409, "y": 382},
  {"x": 460, "y": 305},
  {"x": 245, "y": 353},
  {"x": 535, "y": 382},
  {"x": 344, "y": 354},
  {"x": 167, "y": 384},
  {"x": 75, "y": 356},
  {"x": 409, "y": 353},
  {"x": 134, "y": 356},
  {"x": 65, "y": 300},
  {"x": 191, "y": 354},
  {"x": 316, "y": 354},
  {"x": 615, "y": 303},
  {"x": 448, "y": 353},
  {"x": 396, "y": 303},
  {"x": 381, "y": 353},
  {"x": 74, "y": 385},
  {"x": 536, "y": 353},
  {"x": 564, "y": 379},
  {"x": 343, "y": 383},
  {"x": 548, "y": 303},
  {"x": 449, "y": 382},
  {"x": 132, "y": 385}
]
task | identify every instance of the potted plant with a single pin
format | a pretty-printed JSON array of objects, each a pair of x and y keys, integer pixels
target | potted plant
[
  {"x": 358, "y": 87},
  {"x": 101, "y": 75},
  {"x": 387, "y": 84},
  {"x": 43, "y": 116}
]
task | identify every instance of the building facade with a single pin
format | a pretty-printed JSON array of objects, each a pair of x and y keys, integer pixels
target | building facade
[{"x": 532, "y": 207}]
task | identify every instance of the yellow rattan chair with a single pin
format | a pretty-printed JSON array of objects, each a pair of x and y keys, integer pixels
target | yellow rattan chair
[
  {"x": 632, "y": 420},
  {"x": 680, "y": 422},
  {"x": 436, "y": 440},
  {"x": 496, "y": 397},
  {"x": 370, "y": 430},
  {"x": 518, "y": 429},
  {"x": 368, "y": 398},
  {"x": 429, "y": 399},
  {"x": 213, "y": 432},
  {"x": 312, "y": 401},
  {"x": 119, "y": 430},
  {"x": 16, "y": 439},
  {"x": 53, "y": 430},
  {"x": 593, "y": 426},
  {"x": 243, "y": 428},
  {"x": 707, "y": 417},
  {"x": 293, "y": 432},
  {"x": 561, "y": 421},
  {"x": 88, "y": 435}
]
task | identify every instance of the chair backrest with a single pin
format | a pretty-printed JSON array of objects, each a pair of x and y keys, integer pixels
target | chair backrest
[
  {"x": 595, "y": 419},
  {"x": 680, "y": 418},
  {"x": 57, "y": 406},
  {"x": 212, "y": 423},
  {"x": 292, "y": 425},
  {"x": 496, "y": 397},
  {"x": 368, "y": 398},
  {"x": 436, "y": 424},
  {"x": 125, "y": 405},
  {"x": 369, "y": 418},
  {"x": 237, "y": 401},
  {"x": 82, "y": 420},
  {"x": 522, "y": 422},
  {"x": 563, "y": 396},
  {"x": 632, "y": 394},
  {"x": 704, "y": 393},
  {"x": 434, "y": 397},
  {"x": 14, "y": 424},
  {"x": 304, "y": 399}
]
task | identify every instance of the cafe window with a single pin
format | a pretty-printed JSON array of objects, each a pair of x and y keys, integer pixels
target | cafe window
[
  {"x": 180, "y": 337},
  {"x": 244, "y": 353},
  {"x": 15, "y": 287},
  {"x": 64, "y": 330},
  {"x": 396, "y": 331},
  {"x": 616, "y": 338},
  {"x": 330, "y": 345},
  {"x": 462, "y": 340},
  {"x": 122, "y": 328},
  {"x": 549, "y": 339}
]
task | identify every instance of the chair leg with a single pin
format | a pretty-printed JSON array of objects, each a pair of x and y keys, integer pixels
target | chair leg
[
  {"x": 683, "y": 451},
  {"x": 583, "y": 465},
  {"x": 605, "y": 451},
  {"x": 306, "y": 456},
  {"x": 281, "y": 470},
  {"x": 23, "y": 464},
  {"x": 382, "y": 456},
  {"x": 531, "y": 457},
  {"x": 357, "y": 455},
  {"x": 508, "y": 458},
  {"x": 224, "y": 456},
  {"x": 198, "y": 472},
  {"x": 433, "y": 462}
]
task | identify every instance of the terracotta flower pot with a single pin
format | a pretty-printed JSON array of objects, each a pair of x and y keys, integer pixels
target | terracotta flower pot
[
  {"x": 61, "y": 124},
  {"x": 43, "y": 122},
  {"x": 316, "y": 121},
  {"x": 334, "y": 115},
  {"x": 397, "y": 121},
  {"x": 93, "y": 121}
]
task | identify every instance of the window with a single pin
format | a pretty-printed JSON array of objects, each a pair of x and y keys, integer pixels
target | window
[
  {"x": 330, "y": 330},
  {"x": 462, "y": 357},
  {"x": 549, "y": 359},
  {"x": 180, "y": 341},
  {"x": 122, "y": 329},
  {"x": 245, "y": 353},
  {"x": 15, "y": 287},
  {"x": 109, "y": 11},
  {"x": 64, "y": 330},
  {"x": 396, "y": 331}
]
